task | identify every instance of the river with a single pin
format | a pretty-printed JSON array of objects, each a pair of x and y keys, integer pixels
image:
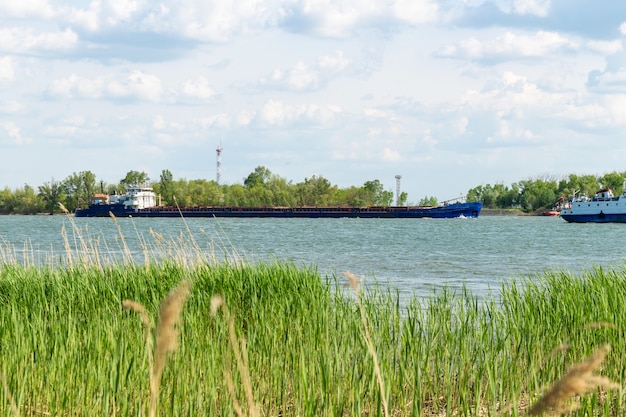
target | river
[{"x": 415, "y": 256}]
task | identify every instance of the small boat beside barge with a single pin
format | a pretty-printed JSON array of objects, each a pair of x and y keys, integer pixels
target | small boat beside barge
[
  {"x": 604, "y": 207},
  {"x": 141, "y": 201}
]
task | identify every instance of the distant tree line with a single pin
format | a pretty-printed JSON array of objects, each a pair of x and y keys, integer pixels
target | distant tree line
[
  {"x": 537, "y": 194},
  {"x": 264, "y": 188},
  {"x": 260, "y": 188}
]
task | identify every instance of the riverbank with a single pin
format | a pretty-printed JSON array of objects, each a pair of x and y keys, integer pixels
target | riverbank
[{"x": 502, "y": 212}]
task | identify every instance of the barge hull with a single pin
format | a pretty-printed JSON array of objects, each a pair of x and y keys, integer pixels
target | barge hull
[{"x": 470, "y": 210}]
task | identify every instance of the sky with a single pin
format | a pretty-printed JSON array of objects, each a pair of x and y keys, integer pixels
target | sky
[{"x": 449, "y": 94}]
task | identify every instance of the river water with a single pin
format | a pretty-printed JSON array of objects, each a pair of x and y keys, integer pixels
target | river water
[{"x": 415, "y": 256}]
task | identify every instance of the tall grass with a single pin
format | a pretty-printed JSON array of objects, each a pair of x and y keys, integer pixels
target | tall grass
[{"x": 68, "y": 348}]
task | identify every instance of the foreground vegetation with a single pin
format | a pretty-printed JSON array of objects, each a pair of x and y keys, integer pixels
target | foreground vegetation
[
  {"x": 264, "y": 188},
  {"x": 289, "y": 342}
]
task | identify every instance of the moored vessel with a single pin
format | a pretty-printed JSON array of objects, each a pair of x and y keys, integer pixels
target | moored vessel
[
  {"x": 141, "y": 201},
  {"x": 604, "y": 207}
]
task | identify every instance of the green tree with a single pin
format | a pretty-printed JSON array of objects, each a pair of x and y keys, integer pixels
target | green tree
[
  {"x": 259, "y": 177},
  {"x": 429, "y": 201},
  {"x": 537, "y": 194},
  {"x": 281, "y": 191},
  {"x": 613, "y": 180},
  {"x": 374, "y": 194},
  {"x": 235, "y": 196},
  {"x": 403, "y": 197},
  {"x": 52, "y": 194},
  {"x": 26, "y": 201},
  {"x": 315, "y": 191},
  {"x": 134, "y": 178},
  {"x": 584, "y": 185},
  {"x": 78, "y": 189},
  {"x": 165, "y": 186}
]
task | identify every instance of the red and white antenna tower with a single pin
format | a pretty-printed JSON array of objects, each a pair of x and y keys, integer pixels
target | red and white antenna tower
[{"x": 218, "y": 176}]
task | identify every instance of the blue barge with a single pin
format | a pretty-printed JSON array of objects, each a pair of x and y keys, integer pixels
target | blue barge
[{"x": 141, "y": 201}]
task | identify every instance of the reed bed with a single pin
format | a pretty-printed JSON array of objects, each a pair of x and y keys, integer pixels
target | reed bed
[{"x": 289, "y": 342}]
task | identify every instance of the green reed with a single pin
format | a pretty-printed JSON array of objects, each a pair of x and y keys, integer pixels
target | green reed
[{"x": 68, "y": 348}]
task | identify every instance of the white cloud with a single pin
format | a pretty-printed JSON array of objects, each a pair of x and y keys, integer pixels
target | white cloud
[
  {"x": 220, "y": 21},
  {"x": 215, "y": 120},
  {"x": 605, "y": 47},
  {"x": 12, "y": 107},
  {"x": 122, "y": 10},
  {"x": 415, "y": 11},
  {"x": 14, "y": 133},
  {"x": 299, "y": 77},
  {"x": 245, "y": 117},
  {"x": 375, "y": 113},
  {"x": 610, "y": 82},
  {"x": 538, "y": 8},
  {"x": 88, "y": 19},
  {"x": 274, "y": 112},
  {"x": 138, "y": 85},
  {"x": 75, "y": 86},
  {"x": 23, "y": 40},
  {"x": 277, "y": 113},
  {"x": 337, "y": 18},
  {"x": 7, "y": 70},
  {"x": 391, "y": 155},
  {"x": 622, "y": 28},
  {"x": 337, "y": 62},
  {"x": 135, "y": 86},
  {"x": 510, "y": 46},
  {"x": 616, "y": 106},
  {"x": 304, "y": 77},
  {"x": 26, "y": 9},
  {"x": 198, "y": 89},
  {"x": 158, "y": 122}
]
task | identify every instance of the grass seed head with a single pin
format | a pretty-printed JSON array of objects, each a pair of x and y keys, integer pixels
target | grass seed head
[
  {"x": 216, "y": 302},
  {"x": 166, "y": 337},
  {"x": 352, "y": 281},
  {"x": 139, "y": 309},
  {"x": 169, "y": 316},
  {"x": 63, "y": 209},
  {"x": 578, "y": 380}
]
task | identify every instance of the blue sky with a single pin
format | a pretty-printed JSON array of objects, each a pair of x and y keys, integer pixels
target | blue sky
[{"x": 450, "y": 94}]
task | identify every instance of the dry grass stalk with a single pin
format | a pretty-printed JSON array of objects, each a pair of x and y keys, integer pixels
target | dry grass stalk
[
  {"x": 157, "y": 236},
  {"x": 66, "y": 243},
  {"x": 147, "y": 322},
  {"x": 63, "y": 209},
  {"x": 354, "y": 283},
  {"x": 580, "y": 379},
  {"x": 128, "y": 256},
  {"x": 240, "y": 352},
  {"x": 228, "y": 375},
  {"x": 600, "y": 325},
  {"x": 7, "y": 393},
  {"x": 166, "y": 337}
]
